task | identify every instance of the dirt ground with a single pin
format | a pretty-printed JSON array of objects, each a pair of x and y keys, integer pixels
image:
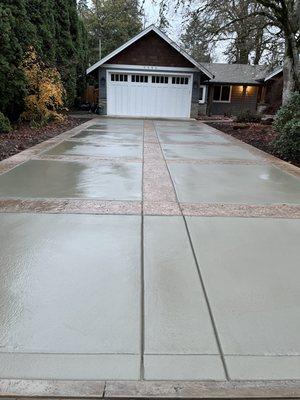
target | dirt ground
[
  {"x": 24, "y": 136},
  {"x": 256, "y": 134}
]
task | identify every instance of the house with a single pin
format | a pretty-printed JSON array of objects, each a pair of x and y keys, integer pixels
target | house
[
  {"x": 151, "y": 76},
  {"x": 272, "y": 92},
  {"x": 234, "y": 88}
]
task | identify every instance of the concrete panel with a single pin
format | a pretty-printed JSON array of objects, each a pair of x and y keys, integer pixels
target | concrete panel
[
  {"x": 173, "y": 138},
  {"x": 183, "y": 367},
  {"x": 248, "y": 184},
  {"x": 135, "y": 130},
  {"x": 69, "y": 366},
  {"x": 69, "y": 284},
  {"x": 251, "y": 272},
  {"x": 206, "y": 152},
  {"x": 264, "y": 368},
  {"x": 176, "y": 314},
  {"x": 59, "y": 179},
  {"x": 107, "y": 135},
  {"x": 96, "y": 150}
]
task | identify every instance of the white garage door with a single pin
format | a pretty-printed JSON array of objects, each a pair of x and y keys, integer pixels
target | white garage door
[{"x": 149, "y": 95}]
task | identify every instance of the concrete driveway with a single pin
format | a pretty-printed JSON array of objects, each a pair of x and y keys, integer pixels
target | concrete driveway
[{"x": 149, "y": 250}]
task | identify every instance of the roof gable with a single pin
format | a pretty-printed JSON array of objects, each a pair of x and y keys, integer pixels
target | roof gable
[
  {"x": 151, "y": 50},
  {"x": 151, "y": 29}
]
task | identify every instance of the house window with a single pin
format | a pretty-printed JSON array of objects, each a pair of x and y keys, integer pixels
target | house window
[
  {"x": 222, "y": 93},
  {"x": 160, "y": 79},
  {"x": 202, "y": 94},
  {"x": 180, "y": 80},
  {"x": 139, "y": 78},
  {"x": 118, "y": 78}
]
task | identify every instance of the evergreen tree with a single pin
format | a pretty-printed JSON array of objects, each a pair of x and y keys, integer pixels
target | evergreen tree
[
  {"x": 112, "y": 22},
  {"x": 54, "y": 29},
  {"x": 16, "y": 31},
  {"x": 194, "y": 40}
]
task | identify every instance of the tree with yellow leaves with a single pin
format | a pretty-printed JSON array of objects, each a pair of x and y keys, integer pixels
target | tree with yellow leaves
[{"x": 44, "y": 101}]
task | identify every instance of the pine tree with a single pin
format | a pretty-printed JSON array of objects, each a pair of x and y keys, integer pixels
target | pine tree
[
  {"x": 16, "y": 31},
  {"x": 113, "y": 22},
  {"x": 55, "y": 31}
]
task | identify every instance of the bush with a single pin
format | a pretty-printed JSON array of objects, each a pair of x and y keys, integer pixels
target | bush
[
  {"x": 287, "y": 143},
  {"x": 248, "y": 116},
  {"x": 4, "y": 124},
  {"x": 286, "y": 113},
  {"x": 45, "y": 92}
]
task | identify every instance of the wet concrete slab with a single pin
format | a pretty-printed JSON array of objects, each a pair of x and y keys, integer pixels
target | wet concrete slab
[
  {"x": 183, "y": 138},
  {"x": 109, "y": 135},
  {"x": 70, "y": 296},
  {"x": 79, "y": 300},
  {"x": 66, "y": 179},
  {"x": 96, "y": 150},
  {"x": 207, "y": 152},
  {"x": 253, "y": 283},
  {"x": 176, "y": 320},
  {"x": 69, "y": 366},
  {"x": 116, "y": 129},
  {"x": 236, "y": 184},
  {"x": 183, "y": 367},
  {"x": 137, "y": 125}
]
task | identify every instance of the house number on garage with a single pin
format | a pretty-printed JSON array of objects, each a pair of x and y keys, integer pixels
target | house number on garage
[{"x": 150, "y": 67}]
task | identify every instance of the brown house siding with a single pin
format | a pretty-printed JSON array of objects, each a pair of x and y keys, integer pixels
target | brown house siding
[
  {"x": 273, "y": 94},
  {"x": 237, "y": 102},
  {"x": 151, "y": 50}
]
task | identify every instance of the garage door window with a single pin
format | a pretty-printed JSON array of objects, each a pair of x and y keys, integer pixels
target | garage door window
[
  {"x": 160, "y": 79},
  {"x": 139, "y": 78},
  {"x": 119, "y": 78},
  {"x": 180, "y": 80}
]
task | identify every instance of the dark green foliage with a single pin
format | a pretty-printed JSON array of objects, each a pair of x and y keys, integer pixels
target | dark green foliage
[
  {"x": 194, "y": 39},
  {"x": 287, "y": 124},
  {"x": 112, "y": 21},
  {"x": 12, "y": 81},
  {"x": 287, "y": 143},
  {"x": 248, "y": 116},
  {"x": 286, "y": 113},
  {"x": 4, "y": 124},
  {"x": 54, "y": 30}
]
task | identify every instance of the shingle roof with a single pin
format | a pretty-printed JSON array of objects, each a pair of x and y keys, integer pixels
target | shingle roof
[{"x": 237, "y": 73}]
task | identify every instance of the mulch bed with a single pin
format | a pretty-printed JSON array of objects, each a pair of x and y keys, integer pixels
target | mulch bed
[
  {"x": 24, "y": 136},
  {"x": 257, "y": 134}
]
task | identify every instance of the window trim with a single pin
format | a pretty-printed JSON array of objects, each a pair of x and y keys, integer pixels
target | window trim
[
  {"x": 112, "y": 77},
  {"x": 203, "y": 100},
  {"x": 222, "y": 101},
  {"x": 143, "y": 78}
]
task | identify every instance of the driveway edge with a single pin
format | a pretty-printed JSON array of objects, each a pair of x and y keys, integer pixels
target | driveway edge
[{"x": 149, "y": 389}]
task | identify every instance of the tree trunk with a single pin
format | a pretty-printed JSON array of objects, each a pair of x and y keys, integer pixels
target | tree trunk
[{"x": 291, "y": 73}]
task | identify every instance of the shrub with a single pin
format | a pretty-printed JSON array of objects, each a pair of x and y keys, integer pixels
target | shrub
[
  {"x": 248, "y": 116},
  {"x": 287, "y": 143},
  {"x": 4, "y": 124},
  {"x": 45, "y": 91},
  {"x": 286, "y": 113}
]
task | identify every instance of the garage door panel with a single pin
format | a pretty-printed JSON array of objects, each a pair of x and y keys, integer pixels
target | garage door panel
[{"x": 147, "y": 97}]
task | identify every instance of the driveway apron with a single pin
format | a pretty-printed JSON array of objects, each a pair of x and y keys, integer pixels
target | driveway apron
[{"x": 149, "y": 250}]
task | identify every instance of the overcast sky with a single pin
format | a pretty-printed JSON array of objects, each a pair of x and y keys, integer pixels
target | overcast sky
[
  {"x": 152, "y": 16},
  {"x": 176, "y": 21}
]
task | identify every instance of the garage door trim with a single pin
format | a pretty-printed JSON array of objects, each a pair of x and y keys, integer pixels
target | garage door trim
[{"x": 149, "y": 73}]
